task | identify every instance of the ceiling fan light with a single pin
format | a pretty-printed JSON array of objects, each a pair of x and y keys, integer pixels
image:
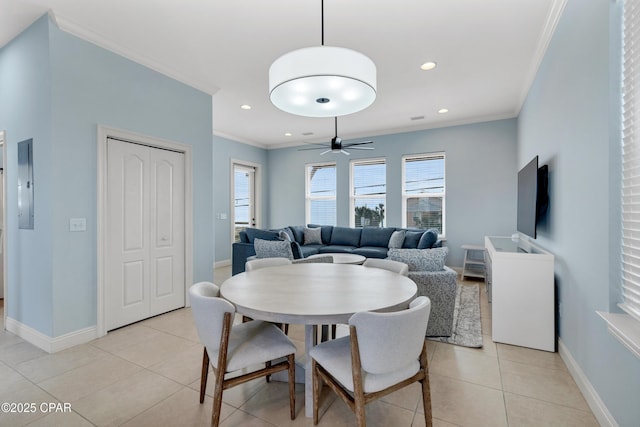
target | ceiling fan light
[{"x": 333, "y": 81}]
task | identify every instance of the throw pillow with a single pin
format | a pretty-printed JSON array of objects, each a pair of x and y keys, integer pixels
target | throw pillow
[
  {"x": 420, "y": 259},
  {"x": 272, "y": 249},
  {"x": 397, "y": 239},
  {"x": 428, "y": 239},
  {"x": 312, "y": 236},
  {"x": 284, "y": 236}
]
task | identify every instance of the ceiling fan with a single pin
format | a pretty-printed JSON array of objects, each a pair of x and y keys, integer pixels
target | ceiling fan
[{"x": 337, "y": 146}]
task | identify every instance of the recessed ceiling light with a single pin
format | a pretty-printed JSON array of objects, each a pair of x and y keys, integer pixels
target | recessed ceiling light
[
  {"x": 443, "y": 111},
  {"x": 428, "y": 66},
  {"x": 288, "y": 134},
  {"x": 245, "y": 107}
]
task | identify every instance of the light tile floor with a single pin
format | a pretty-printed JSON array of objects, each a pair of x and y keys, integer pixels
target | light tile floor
[{"x": 147, "y": 374}]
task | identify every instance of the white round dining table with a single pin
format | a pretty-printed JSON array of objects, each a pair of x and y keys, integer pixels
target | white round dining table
[{"x": 316, "y": 294}]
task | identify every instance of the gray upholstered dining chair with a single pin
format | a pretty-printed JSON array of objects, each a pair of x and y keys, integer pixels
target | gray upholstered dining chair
[
  {"x": 388, "y": 264},
  {"x": 234, "y": 348},
  {"x": 383, "y": 353},
  {"x": 258, "y": 263}
]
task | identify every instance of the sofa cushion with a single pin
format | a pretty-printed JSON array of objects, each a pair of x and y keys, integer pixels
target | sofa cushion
[
  {"x": 420, "y": 259},
  {"x": 428, "y": 238},
  {"x": 326, "y": 232},
  {"x": 243, "y": 237},
  {"x": 342, "y": 249},
  {"x": 397, "y": 239},
  {"x": 312, "y": 236},
  {"x": 411, "y": 239},
  {"x": 371, "y": 252},
  {"x": 345, "y": 236},
  {"x": 375, "y": 236},
  {"x": 310, "y": 250},
  {"x": 256, "y": 233},
  {"x": 273, "y": 248},
  {"x": 298, "y": 233}
]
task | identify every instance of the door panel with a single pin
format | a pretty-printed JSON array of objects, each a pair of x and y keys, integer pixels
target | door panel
[
  {"x": 167, "y": 231},
  {"x": 127, "y": 276},
  {"x": 144, "y": 273}
]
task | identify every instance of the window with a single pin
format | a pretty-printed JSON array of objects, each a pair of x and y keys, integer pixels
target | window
[
  {"x": 631, "y": 161},
  {"x": 368, "y": 193},
  {"x": 320, "y": 191},
  {"x": 423, "y": 192}
]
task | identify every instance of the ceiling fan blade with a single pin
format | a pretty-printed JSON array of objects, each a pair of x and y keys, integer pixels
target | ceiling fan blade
[
  {"x": 360, "y": 148},
  {"x": 313, "y": 148},
  {"x": 345, "y": 152},
  {"x": 325, "y": 152},
  {"x": 351, "y": 144}
]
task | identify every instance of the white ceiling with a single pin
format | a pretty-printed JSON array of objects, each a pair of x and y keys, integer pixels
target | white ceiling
[{"x": 487, "y": 54}]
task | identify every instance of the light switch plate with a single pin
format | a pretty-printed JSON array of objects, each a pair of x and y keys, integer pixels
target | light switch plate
[{"x": 77, "y": 224}]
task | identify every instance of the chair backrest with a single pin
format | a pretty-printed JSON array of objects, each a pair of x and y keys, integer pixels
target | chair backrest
[
  {"x": 391, "y": 341},
  {"x": 259, "y": 263},
  {"x": 388, "y": 264},
  {"x": 208, "y": 313},
  {"x": 327, "y": 259}
]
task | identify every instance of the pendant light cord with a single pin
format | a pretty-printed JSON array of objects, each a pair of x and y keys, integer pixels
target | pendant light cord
[
  {"x": 336, "y": 125},
  {"x": 322, "y": 21}
]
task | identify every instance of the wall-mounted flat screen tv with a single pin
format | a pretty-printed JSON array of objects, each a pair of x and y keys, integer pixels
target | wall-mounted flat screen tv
[{"x": 528, "y": 198}]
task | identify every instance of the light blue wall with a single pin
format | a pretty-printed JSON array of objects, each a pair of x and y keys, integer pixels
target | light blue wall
[
  {"x": 480, "y": 180},
  {"x": 25, "y": 112},
  {"x": 79, "y": 87},
  {"x": 571, "y": 120},
  {"x": 224, "y": 152}
]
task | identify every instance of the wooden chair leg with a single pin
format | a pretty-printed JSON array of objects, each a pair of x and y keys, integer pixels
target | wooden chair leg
[
  {"x": 426, "y": 387},
  {"x": 204, "y": 375},
  {"x": 292, "y": 385},
  {"x": 217, "y": 398}
]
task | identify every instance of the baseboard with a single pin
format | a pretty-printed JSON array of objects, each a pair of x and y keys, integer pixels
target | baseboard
[
  {"x": 223, "y": 263},
  {"x": 596, "y": 404},
  {"x": 47, "y": 343}
]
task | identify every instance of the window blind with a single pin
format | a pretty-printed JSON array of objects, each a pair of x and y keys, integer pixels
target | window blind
[{"x": 631, "y": 160}]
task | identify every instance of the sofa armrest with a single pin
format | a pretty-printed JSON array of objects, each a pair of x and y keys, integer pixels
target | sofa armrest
[
  {"x": 239, "y": 254},
  {"x": 441, "y": 288}
]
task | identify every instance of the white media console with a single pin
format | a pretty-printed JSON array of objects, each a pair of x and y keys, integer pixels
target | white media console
[{"x": 520, "y": 282}]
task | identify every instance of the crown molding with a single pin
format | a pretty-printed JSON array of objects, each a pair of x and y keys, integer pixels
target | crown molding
[{"x": 104, "y": 42}]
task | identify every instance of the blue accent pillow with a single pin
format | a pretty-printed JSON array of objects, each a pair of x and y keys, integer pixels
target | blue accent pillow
[
  {"x": 428, "y": 239},
  {"x": 298, "y": 233},
  {"x": 411, "y": 239},
  {"x": 256, "y": 233}
]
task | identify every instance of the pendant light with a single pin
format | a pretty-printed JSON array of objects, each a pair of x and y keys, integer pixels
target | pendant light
[{"x": 322, "y": 81}]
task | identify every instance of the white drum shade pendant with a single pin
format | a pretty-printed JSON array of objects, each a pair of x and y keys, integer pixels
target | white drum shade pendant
[{"x": 323, "y": 81}]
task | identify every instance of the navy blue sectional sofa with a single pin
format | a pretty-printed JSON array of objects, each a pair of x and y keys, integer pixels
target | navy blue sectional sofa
[{"x": 371, "y": 242}]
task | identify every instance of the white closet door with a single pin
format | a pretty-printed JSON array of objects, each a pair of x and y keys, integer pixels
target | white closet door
[
  {"x": 145, "y": 255},
  {"x": 166, "y": 231}
]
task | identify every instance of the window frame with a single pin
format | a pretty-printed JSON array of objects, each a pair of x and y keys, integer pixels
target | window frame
[
  {"x": 405, "y": 196},
  {"x": 308, "y": 197},
  {"x": 352, "y": 197}
]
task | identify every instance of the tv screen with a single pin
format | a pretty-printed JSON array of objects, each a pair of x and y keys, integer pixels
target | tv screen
[{"x": 527, "y": 198}]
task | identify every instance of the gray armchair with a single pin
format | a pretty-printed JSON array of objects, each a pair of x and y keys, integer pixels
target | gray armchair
[
  {"x": 434, "y": 280},
  {"x": 440, "y": 287}
]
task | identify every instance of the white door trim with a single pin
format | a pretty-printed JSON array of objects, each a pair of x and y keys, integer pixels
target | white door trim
[
  {"x": 257, "y": 190},
  {"x": 105, "y": 132},
  {"x": 3, "y": 238}
]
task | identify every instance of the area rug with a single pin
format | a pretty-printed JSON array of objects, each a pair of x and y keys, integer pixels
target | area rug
[{"x": 467, "y": 327}]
